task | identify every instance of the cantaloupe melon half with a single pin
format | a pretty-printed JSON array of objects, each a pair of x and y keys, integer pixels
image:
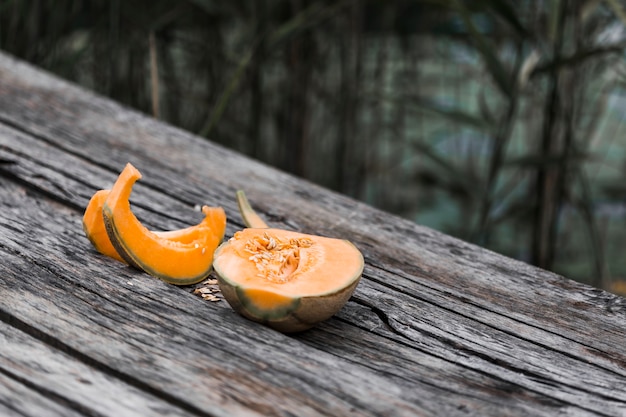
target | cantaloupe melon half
[
  {"x": 287, "y": 280},
  {"x": 182, "y": 258}
]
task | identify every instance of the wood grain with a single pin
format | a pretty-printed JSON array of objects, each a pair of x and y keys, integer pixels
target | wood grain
[
  {"x": 18, "y": 399},
  {"x": 60, "y": 382},
  {"x": 436, "y": 327}
]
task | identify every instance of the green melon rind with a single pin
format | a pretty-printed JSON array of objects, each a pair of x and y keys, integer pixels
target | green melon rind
[
  {"x": 302, "y": 314},
  {"x": 265, "y": 315},
  {"x": 240, "y": 302},
  {"x": 114, "y": 237},
  {"x": 131, "y": 259}
]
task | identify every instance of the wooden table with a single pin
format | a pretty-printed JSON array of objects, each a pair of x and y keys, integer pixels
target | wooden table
[{"x": 437, "y": 326}]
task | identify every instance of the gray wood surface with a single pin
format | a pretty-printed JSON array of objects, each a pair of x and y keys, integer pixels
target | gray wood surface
[{"x": 437, "y": 326}]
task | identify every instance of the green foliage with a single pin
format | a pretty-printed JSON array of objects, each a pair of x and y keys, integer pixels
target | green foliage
[{"x": 494, "y": 120}]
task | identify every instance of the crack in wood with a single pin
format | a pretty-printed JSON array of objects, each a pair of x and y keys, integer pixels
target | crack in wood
[
  {"x": 391, "y": 324},
  {"x": 54, "y": 144},
  {"x": 380, "y": 313},
  {"x": 482, "y": 307},
  {"x": 552, "y": 401},
  {"x": 68, "y": 202}
]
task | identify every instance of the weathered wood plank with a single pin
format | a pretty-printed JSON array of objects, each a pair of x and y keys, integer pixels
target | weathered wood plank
[
  {"x": 157, "y": 337},
  {"x": 49, "y": 381},
  {"x": 500, "y": 348},
  {"x": 503, "y": 355}
]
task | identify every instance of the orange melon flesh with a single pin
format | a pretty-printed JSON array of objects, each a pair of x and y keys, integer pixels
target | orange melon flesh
[
  {"x": 93, "y": 226},
  {"x": 286, "y": 279},
  {"x": 95, "y": 230},
  {"x": 182, "y": 262},
  {"x": 267, "y": 300}
]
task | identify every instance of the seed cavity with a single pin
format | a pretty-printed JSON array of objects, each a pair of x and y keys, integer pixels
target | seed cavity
[{"x": 275, "y": 259}]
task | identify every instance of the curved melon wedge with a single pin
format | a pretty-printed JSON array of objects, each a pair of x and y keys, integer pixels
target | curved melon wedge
[
  {"x": 287, "y": 280},
  {"x": 179, "y": 261},
  {"x": 95, "y": 230}
]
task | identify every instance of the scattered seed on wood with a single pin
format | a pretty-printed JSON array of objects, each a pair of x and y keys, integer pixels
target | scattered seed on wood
[{"x": 208, "y": 290}]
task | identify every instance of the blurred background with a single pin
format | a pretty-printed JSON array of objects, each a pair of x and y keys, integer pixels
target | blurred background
[{"x": 500, "y": 122}]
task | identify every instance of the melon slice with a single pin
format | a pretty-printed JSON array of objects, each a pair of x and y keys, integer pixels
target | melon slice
[
  {"x": 182, "y": 257},
  {"x": 95, "y": 230}
]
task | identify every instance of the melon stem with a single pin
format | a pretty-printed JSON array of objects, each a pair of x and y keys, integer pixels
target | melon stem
[{"x": 250, "y": 217}]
